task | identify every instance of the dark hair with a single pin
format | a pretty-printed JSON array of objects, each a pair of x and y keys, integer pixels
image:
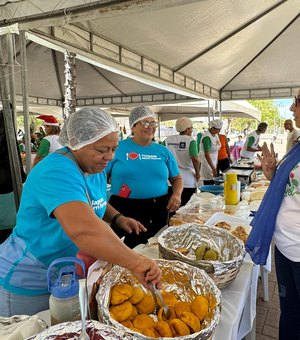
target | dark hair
[
  {"x": 54, "y": 130},
  {"x": 262, "y": 126}
]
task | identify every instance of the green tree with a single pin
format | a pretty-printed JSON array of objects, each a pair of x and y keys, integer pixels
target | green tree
[{"x": 269, "y": 114}]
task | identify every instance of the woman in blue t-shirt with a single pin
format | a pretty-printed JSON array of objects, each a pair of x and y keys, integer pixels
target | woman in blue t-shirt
[
  {"x": 63, "y": 208},
  {"x": 139, "y": 175}
]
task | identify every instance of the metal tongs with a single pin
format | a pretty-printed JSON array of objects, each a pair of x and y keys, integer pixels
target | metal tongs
[{"x": 157, "y": 295}]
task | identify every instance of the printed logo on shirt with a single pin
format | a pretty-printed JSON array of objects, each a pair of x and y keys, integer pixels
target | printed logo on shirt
[
  {"x": 182, "y": 145},
  {"x": 99, "y": 204},
  {"x": 134, "y": 156}
]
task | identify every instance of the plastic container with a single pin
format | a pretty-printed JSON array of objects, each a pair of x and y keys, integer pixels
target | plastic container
[
  {"x": 231, "y": 189},
  {"x": 213, "y": 189},
  {"x": 64, "y": 298}
]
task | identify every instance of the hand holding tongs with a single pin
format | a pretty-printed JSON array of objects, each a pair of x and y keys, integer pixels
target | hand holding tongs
[{"x": 157, "y": 295}]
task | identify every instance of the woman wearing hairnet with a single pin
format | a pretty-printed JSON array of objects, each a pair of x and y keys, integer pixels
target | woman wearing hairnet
[
  {"x": 139, "y": 178},
  {"x": 184, "y": 147},
  {"x": 209, "y": 148},
  {"x": 63, "y": 209}
]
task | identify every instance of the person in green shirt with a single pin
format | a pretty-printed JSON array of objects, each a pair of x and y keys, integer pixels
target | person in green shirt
[{"x": 50, "y": 142}]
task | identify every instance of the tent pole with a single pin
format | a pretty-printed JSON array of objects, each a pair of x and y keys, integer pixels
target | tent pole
[
  {"x": 12, "y": 92},
  {"x": 24, "y": 80},
  {"x": 70, "y": 84},
  {"x": 10, "y": 135}
]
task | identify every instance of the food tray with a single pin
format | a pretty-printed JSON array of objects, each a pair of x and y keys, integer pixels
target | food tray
[
  {"x": 232, "y": 220},
  {"x": 180, "y": 279},
  {"x": 230, "y": 249}
]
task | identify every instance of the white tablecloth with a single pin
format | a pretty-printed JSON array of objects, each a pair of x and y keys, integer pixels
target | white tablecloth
[{"x": 238, "y": 299}]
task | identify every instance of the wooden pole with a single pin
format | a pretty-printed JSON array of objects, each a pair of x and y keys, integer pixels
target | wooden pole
[
  {"x": 24, "y": 80},
  {"x": 70, "y": 84},
  {"x": 14, "y": 160}
]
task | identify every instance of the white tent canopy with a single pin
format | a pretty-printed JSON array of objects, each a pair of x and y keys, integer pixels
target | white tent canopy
[
  {"x": 229, "y": 109},
  {"x": 226, "y": 49}
]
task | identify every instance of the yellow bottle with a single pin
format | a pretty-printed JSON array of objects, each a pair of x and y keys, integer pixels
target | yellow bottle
[{"x": 231, "y": 189}]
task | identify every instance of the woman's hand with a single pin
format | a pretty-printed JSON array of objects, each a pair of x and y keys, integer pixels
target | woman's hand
[
  {"x": 147, "y": 271},
  {"x": 268, "y": 160},
  {"x": 174, "y": 203},
  {"x": 129, "y": 224}
]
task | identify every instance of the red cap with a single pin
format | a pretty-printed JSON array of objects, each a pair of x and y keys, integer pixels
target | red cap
[{"x": 49, "y": 120}]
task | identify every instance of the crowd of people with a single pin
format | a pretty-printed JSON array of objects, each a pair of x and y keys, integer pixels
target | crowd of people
[{"x": 149, "y": 181}]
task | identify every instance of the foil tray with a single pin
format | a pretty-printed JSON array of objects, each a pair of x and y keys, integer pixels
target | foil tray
[
  {"x": 179, "y": 278},
  {"x": 231, "y": 250},
  {"x": 71, "y": 330}
]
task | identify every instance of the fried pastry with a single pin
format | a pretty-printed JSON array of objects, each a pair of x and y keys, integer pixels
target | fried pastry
[
  {"x": 137, "y": 295},
  {"x": 169, "y": 299},
  {"x": 127, "y": 323},
  {"x": 161, "y": 316},
  {"x": 120, "y": 292},
  {"x": 191, "y": 320},
  {"x": 150, "y": 332},
  {"x": 133, "y": 314},
  {"x": 182, "y": 306},
  {"x": 199, "y": 307},
  {"x": 143, "y": 321},
  {"x": 146, "y": 305},
  {"x": 223, "y": 225},
  {"x": 182, "y": 250},
  {"x": 163, "y": 328},
  {"x": 122, "y": 311},
  {"x": 179, "y": 328},
  {"x": 240, "y": 233}
]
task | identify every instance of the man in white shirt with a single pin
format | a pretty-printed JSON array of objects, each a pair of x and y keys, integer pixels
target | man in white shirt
[{"x": 293, "y": 134}]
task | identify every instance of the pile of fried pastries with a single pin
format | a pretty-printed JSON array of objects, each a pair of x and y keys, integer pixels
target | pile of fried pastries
[{"x": 135, "y": 309}]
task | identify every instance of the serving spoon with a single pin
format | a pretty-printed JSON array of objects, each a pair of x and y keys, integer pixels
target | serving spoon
[{"x": 157, "y": 295}]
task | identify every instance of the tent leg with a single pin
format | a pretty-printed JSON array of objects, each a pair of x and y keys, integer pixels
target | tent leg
[
  {"x": 10, "y": 135},
  {"x": 24, "y": 79}
]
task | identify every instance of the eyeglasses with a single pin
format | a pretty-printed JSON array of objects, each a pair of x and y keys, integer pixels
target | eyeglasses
[{"x": 146, "y": 124}]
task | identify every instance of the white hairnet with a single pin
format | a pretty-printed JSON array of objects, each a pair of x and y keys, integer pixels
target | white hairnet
[
  {"x": 85, "y": 127},
  {"x": 216, "y": 123},
  {"x": 183, "y": 123},
  {"x": 139, "y": 113}
]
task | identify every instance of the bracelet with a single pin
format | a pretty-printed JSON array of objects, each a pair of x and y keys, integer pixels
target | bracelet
[{"x": 114, "y": 219}]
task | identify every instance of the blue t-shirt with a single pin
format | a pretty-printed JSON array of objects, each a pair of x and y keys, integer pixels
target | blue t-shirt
[
  {"x": 38, "y": 238},
  {"x": 144, "y": 169}
]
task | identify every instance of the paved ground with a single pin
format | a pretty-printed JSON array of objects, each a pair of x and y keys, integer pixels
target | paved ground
[{"x": 267, "y": 313}]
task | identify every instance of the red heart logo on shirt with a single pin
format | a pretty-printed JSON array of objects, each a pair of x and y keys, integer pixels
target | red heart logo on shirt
[{"x": 133, "y": 155}]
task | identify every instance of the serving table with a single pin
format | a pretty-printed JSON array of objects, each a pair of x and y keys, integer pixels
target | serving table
[{"x": 238, "y": 299}]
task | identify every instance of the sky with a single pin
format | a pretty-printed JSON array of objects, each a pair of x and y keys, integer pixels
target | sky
[{"x": 283, "y": 106}]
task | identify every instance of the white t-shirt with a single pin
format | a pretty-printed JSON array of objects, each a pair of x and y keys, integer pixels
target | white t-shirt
[
  {"x": 287, "y": 229},
  {"x": 292, "y": 138},
  {"x": 250, "y": 154},
  {"x": 179, "y": 146}
]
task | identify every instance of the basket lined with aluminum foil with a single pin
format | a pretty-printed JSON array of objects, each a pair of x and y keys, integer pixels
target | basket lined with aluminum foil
[
  {"x": 213, "y": 249},
  {"x": 181, "y": 285}
]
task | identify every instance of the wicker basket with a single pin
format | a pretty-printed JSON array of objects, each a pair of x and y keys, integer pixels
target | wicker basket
[{"x": 231, "y": 250}]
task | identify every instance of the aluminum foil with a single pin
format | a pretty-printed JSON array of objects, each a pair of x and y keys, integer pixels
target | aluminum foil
[
  {"x": 230, "y": 249},
  {"x": 179, "y": 278},
  {"x": 71, "y": 330}
]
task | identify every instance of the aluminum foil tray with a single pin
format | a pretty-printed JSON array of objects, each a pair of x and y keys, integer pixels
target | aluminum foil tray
[{"x": 181, "y": 279}]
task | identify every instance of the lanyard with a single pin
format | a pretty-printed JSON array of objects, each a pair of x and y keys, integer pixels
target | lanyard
[{"x": 70, "y": 156}]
